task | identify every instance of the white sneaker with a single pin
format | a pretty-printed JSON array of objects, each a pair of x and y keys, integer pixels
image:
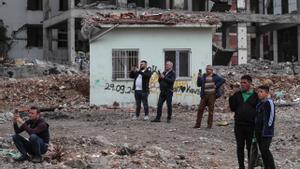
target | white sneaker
[
  {"x": 134, "y": 117},
  {"x": 146, "y": 118}
]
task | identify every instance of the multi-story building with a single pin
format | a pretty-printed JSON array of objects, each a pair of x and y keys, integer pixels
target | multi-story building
[{"x": 24, "y": 23}]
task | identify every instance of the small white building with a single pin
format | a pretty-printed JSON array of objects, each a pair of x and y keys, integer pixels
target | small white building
[{"x": 114, "y": 51}]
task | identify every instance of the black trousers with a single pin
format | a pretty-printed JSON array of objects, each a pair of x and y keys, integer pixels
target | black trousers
[
  {"x": 243, "y": 135},
  {"x": 141, "y": 96},
  {"x": 264, "y": 147},
  {"x": 164, "y": 96}
]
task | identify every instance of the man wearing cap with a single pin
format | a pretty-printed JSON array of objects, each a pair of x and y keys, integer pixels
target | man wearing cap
[
  {"x": 141, "y": 88},
  {"x": 210, "y": 84}
]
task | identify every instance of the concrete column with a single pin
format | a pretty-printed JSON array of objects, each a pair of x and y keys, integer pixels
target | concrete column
[
  {"x": 146, "y": 3},
  {"x": 241, "y": 5},
  {"x": 225, "y": 35},
  {"x": 46, "y": 9},
  {"x": 168, "y": 4},
  {"x": 261, "y": 6},
  {"x": 190, "y": 5},
  {"x": 298, "y": 6},
  {"x": 275, "y": 46},
  {"x": 298, "y": 28},
  {"x": 242, "y": 43},
  {"x": 178, "y": 4},
  {"x": 122, "y": 3},
  {"x": 248, "y": 6},
  {"x": 71, "y": 4},
  {"x": 71, "y": 40}
]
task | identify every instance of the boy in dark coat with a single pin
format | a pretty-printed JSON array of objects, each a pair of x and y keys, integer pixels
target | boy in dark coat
[{"x": 264, "y": 126}]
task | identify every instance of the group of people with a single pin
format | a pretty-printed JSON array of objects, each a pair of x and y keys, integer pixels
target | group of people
[{"x": 254, "y": 112}]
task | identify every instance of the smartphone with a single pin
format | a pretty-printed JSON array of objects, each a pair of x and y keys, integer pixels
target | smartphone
[{"x": 200, "y": 72}]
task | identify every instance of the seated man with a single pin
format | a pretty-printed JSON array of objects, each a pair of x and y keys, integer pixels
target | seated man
[{"x": 38, "y": 132}]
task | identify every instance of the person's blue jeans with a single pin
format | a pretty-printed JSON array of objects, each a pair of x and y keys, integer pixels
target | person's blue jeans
[
  {"x": 164, "y": 96},
  {"x": 35, "y": 146},
  {"x": 141, "y": 96}
]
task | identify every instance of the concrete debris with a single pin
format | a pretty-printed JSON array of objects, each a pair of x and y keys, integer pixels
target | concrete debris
[
  {"x": 148, "y": 17},
  {"x": 48, "y": 91}
]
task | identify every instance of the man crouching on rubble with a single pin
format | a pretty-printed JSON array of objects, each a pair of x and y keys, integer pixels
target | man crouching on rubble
[{"x": 38, "y": 131}]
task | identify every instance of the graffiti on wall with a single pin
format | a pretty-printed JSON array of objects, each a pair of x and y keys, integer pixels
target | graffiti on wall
[
  {"x": 181, "y": 87},
  {"x": 122, "y": 89}
]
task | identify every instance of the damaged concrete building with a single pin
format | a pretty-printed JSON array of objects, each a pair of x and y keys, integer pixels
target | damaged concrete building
[
  {"x": 262, "y": 29},
  {"x": 24, "y": 23}
]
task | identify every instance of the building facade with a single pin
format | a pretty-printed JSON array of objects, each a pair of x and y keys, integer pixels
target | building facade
[{"x": 113, "y": 55}]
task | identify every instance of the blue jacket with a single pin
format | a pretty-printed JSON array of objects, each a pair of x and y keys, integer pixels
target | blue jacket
[
  {"x": 218, "y": 82},
  {"x": 265, "y": 118}
]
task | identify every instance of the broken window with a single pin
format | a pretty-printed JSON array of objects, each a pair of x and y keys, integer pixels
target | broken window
[
  {"x": 34, "y": 36},
  {"x": 284, "y": 6},
  {"x": 137, "y": 3},
  {"x": 63, "y": 5},
  {"x": 122, "y": 62},
  {"x": 181, "y": 61},
  {"x": 35, "y": 5},
  {"x": 62, "y": 41},
  {"x": 157, "y": 4},
  {"x": 199, "y": 5}
]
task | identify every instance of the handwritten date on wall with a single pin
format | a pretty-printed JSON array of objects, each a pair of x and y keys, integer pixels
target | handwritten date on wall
[{"x": 118, "y": 88}]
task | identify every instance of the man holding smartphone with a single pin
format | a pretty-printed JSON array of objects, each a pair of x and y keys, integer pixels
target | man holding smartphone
[
  {"x": 210, "y": 84},
  {"x": 38, "y": 131}
]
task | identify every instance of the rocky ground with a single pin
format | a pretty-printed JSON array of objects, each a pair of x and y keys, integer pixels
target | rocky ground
[{"x": 105, "y": 137}]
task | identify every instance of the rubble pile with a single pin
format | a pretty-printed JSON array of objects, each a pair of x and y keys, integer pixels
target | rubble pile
[
  {"x": 148, "y": 17},
  {"x": 285, "y": 87},
  {"x": 46, "y": 92}
]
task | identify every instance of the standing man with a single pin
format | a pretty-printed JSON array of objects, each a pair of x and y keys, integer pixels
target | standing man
[
  {"x": 141, "y": 88},
  {"x": 243, "y": 104},
  {"x": 39, "y": 136},
  {"x": 210, "y": 84},
  {"x": 166, "y": 81}
]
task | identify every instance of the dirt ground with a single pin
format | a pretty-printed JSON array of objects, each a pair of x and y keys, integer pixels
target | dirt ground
[{"x": 106, "y": 138}]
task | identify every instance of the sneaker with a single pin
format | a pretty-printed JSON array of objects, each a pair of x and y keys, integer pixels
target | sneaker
[
  {"x": 155, "y": 120},
  {"x": 134, "y": 117},
  {"x": 146, "y": 118},
  {"x": 37, "y": 159},
  {"x": 22, "y": 158}
]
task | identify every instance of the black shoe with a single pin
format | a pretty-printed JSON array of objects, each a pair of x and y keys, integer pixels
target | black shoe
[
  {"x": 155, "y": 120},
  {"x": 37, "y": 159},
  {"x": 196, "y": 127},
  {"x": 168, "y": 120},
  {"x": 22, "y": 158}
]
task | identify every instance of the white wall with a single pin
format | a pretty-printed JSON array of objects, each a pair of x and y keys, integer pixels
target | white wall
[
  {"x": 14, "y": 16},
  {"x": 151, "y": 42}
]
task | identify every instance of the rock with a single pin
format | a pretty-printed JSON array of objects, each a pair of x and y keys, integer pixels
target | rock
[{"x": 77, "y": 163}]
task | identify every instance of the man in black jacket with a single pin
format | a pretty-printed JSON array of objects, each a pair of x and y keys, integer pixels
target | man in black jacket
[
  {"x": 38, "y": 132},
  {"x": 141, "y": 88},
  {"x": 243, "y": 104},
  {"x": 166, "y": 81}
]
